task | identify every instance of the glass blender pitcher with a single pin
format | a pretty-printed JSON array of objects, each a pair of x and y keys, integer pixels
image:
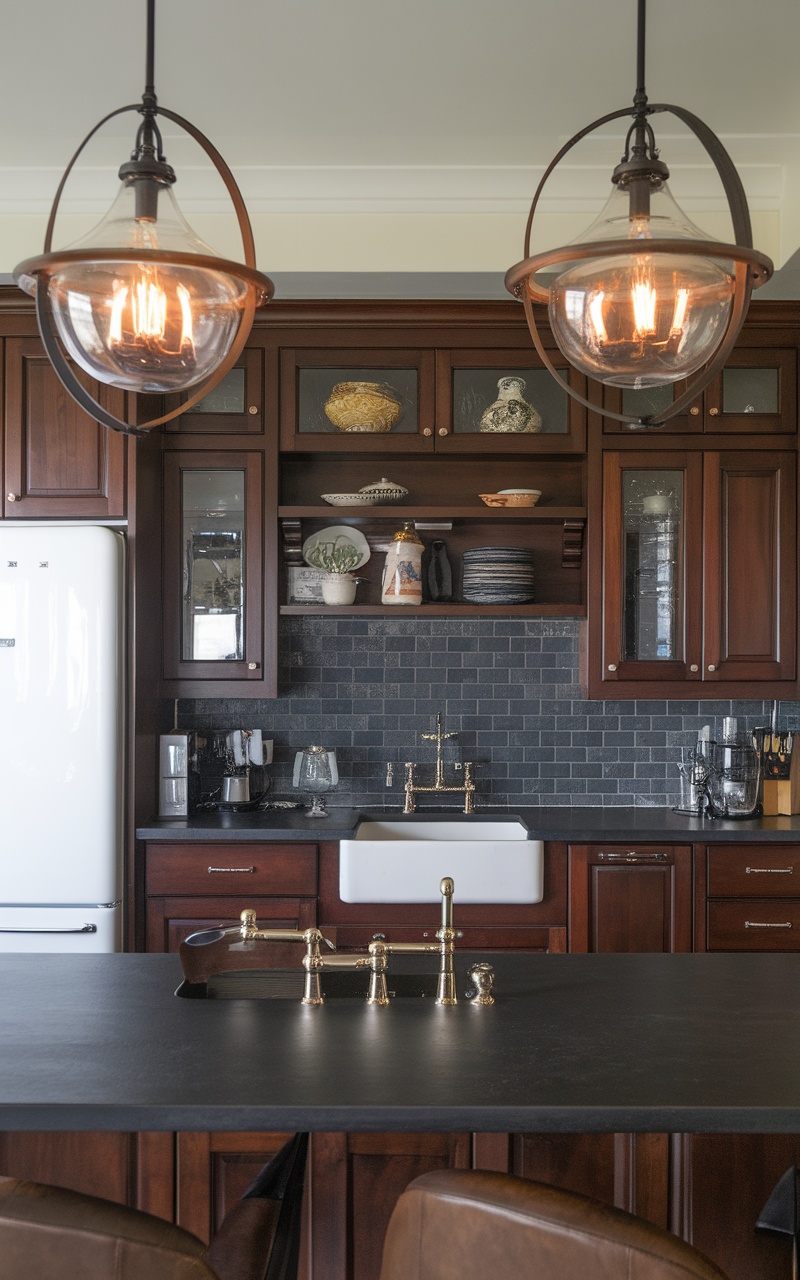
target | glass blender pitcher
[{"x": 315, "y": 778}]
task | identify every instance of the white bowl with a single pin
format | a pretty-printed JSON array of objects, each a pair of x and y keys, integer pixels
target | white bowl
[{"x": 349, "y": 499}]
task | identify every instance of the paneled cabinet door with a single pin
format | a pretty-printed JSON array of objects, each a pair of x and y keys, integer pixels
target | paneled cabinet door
[
  {"x": 58, "y": 460},
  {"x": 750, "y": 547},
  {"x": 625, "y": 899}
]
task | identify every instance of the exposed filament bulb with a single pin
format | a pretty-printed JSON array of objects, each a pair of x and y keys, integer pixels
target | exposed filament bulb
[{"x": 144, "y": 315}]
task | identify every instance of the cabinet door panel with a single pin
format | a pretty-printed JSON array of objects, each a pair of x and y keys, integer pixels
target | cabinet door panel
[
  {"x": 59, "y": 462},
  {"x": 233, "y": 868},
  {"x": 754, "y": 871},
  {"x": 754, "y": 925},
  {"x": 750, "y": 566},
  {"x": 630, "y": 900}
]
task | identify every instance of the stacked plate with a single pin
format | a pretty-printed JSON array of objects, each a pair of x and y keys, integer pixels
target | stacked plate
[{"x": 498, "y": 575}]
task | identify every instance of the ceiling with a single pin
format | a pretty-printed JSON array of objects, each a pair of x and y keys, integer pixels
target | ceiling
[{"x": 398, "y": 136}]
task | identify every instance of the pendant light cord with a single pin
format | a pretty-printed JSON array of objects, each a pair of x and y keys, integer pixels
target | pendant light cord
[
  {"x": 640, "y": 97},
  {"x": 149, "y": 95}
]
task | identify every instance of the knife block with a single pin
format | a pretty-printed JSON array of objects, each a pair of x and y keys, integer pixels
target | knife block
[{"x": 782, "y": 795}]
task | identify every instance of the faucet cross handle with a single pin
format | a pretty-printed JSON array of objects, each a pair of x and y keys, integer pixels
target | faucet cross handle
[{"x": 438, "y": 736}]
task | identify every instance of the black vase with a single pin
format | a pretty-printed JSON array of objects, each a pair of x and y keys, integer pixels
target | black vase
[{"x": 440, "y": 575}]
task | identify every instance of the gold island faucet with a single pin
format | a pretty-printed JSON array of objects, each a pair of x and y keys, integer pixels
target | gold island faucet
[
  {"x": 314, "y": 962},
  {"x": 411, "y": 789},
  {"x": 444, "y": 946}
]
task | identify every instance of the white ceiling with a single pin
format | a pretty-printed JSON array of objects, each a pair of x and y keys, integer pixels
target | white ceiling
[{"x": 397, "y": 135}]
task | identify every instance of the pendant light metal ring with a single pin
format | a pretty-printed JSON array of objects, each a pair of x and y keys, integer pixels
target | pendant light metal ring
[{"x": 259, "y": 292}]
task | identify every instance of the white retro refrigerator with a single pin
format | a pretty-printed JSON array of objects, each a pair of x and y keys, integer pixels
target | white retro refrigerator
[{"x": 61, "y": 737}]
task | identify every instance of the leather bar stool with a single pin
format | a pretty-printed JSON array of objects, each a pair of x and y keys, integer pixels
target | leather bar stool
[
  {"x": 463, "y": 1225},
  {"x": 54, "y": 1234}
]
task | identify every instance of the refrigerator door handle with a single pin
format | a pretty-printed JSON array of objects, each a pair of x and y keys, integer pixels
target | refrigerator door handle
[{"x": 86, "y": 928}]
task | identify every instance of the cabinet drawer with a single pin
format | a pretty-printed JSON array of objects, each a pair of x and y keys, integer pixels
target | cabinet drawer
[
  {"x": 755, "y": 925},
  {"x": 240, "y": 868},
  {"x": 754, "y": 871}
]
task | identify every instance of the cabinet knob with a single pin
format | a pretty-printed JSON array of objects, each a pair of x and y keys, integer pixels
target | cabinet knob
[
  {"x": 694, "y": 667},
  {"x": 13, "y": 497},
  {"x": 713, "y": 412},
  {"x": 443, "y": 431},
  {"x": 426, "y": 431},
  {"x": 253, "y": 408},
  {"x": 252, "y": 666},
  {"x": 694, "y": 411},
  {"x": 711, "y": 667},
  {"x": 612, "y": 666}
]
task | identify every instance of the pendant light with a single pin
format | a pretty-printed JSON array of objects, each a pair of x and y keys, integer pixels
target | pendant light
[
  {"x": 644, "y": 298},
  {"x": 141, "y": 302}
]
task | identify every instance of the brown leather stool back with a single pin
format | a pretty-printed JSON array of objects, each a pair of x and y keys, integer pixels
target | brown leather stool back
[
  {"x": 47, "y": 1233},
  {"x": 460, "y": 1225}
]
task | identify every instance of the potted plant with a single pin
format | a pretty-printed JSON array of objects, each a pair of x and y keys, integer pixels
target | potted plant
[{"x": 339, "y": 585}]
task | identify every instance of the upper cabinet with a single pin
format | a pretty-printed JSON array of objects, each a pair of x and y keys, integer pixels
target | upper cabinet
[
  {"x": 695, "y": 582},
  {"x": 58, "y": 462},
  {"x": 234, "y": 407},
  {"x": 755, "y": 394},
  {"x": 391, "y": 399}
]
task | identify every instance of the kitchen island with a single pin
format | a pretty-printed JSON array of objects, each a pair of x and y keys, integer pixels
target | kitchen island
[
  {"x": 574, "y": 1043},
  {"x": 588, "y": 1068}
]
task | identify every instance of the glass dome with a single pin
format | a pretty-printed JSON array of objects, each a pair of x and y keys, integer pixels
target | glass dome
[
  {"x": 642, "y": 317},
  {"x": 144, "y": 324}
]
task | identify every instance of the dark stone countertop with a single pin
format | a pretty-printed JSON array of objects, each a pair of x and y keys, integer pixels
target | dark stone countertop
[
  {"x": 575, "y": 1043},
  {"x": 577, "y": 825}
]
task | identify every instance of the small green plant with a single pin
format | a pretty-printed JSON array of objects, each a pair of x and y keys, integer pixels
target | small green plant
[{"x": 332, "y": 558}]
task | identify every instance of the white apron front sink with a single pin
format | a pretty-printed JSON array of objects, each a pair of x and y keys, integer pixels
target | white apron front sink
[{"x": 403, "y": 860}]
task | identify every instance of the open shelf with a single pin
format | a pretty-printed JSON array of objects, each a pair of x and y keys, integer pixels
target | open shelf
[
  {"x": 397, "y": 511},
  {"x": 461, "y": 609}
]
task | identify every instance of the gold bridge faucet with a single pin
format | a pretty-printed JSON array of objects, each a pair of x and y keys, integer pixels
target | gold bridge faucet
[
  {"x": 444, "y": 945},
  {"x": 412, "y": 789}
]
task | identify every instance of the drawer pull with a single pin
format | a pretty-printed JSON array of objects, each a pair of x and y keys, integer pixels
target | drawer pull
[
  {"x": 633, "y": 856},
  {"x": 769, "y": 871},
  {"x": 760, "y": 924},
  {"x": 215, "y": 871}
]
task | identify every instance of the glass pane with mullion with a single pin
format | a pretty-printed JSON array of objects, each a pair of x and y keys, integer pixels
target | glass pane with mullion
[
  {"x": 213, "y": 576},
  {"x": 227, "y": 397},
  {"x": 750, "y": 390},
  {"x": 653, "y": 571},
  {"x": 485, "y": 402},
  {"x": 345, "y": 401}
]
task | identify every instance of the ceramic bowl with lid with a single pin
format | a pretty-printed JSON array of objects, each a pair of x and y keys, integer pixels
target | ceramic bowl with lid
[{"x": 384, "y": 490}]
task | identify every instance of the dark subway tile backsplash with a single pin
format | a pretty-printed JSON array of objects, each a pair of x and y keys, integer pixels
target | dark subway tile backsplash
[{"x": 508, "y": 687}]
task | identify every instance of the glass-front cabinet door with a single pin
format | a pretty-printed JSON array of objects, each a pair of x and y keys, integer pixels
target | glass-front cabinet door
[
  {"x": 234, "y": 407},
  {"x": 506, "y": 402},
  {"x": 652, "y": 575},
  {"x": 376, "y": 400},
  {"x": 213, "y": 614}
]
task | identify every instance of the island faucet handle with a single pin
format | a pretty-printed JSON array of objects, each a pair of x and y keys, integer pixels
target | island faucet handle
[{"x": 482, "y": 974}]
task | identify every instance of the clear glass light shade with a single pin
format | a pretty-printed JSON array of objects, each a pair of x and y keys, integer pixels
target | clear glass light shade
[
  {"x": 642, "y": 318},
  {"x": 145, "y": 325}
]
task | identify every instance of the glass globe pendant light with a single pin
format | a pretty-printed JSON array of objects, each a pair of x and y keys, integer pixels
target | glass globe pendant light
[
  {"x": 644, "y": 298},
  {"x": 141, "y": 302}
]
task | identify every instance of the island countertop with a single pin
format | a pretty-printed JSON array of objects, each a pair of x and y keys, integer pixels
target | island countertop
[
  {"x": 575, "y": 824},
  {"x": 575, "y": 1043}
]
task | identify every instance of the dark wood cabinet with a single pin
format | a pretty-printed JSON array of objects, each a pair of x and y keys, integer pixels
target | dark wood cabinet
[
  {"x": 695, "y": 585},
  {"x": 59, "y": 462},
  {"x": 234, "y": 407},
  {"x": 755, "y": 394},
  {"x": 630, "y": 899},
  {"x": 751, "y": 897}
]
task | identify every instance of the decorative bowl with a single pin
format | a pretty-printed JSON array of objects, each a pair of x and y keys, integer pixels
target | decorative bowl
[
  {"x": 349, "y": 499},
  {"x": 384, "y": 490},
  {"x": 363, "y": 406},
  {"x": 511, "y": 499}
]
